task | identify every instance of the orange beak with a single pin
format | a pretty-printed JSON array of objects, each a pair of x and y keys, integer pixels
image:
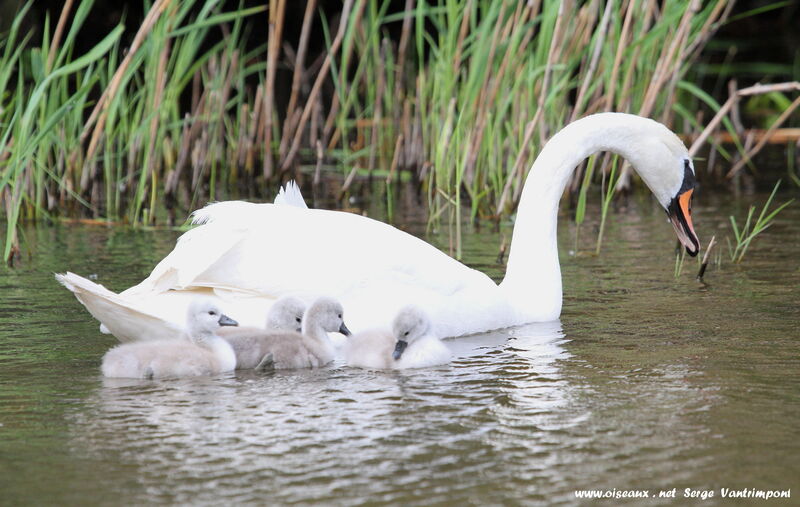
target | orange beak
[{"x": 680, "y": 214}]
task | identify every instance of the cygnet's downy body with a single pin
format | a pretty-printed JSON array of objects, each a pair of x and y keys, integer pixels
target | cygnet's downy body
[
  {"x": 200, "y": 352},
  {"x": 409, "y": 344},
  {"x": 286, "y": 314},
  {"x": 289, "y": 349}
]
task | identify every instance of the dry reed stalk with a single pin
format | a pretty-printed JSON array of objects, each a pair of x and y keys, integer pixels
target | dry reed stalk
[
  {"x": 318, "y": 168},
  {"x": 323, "y": 74},
  {"x": 242, "y": 147},
  {"x": 552, "y": 55},
  {"x": 252, "y": 133},
  {"x": 735, "y": 116},
  {"x": 393, "y": 168},
  {"x": 9, "y": 205},
  {"x": 200, "y": 156},
  {"x": 289, "y": 124},
  {"x": 462, "y": 33},
  {"x": 530, "y": 128},
  {"x": 593, "y": 62},
  {"x": 316, "y": 121},
  {"x": 401, "y": 50},
  {"x": 300, "y": 59},
  {"x": 665, "y": 66},
  {"x": 621, "y": 45},
  {"x": 710, "y": 26},
  {"x": 777, "y": 136},
  {"x": 764, "y": 139},
  {"x": 624, "y": 96},
  {"x": 299, "y": 73},
  {"x": 258, "y": 109},
  {"x": 229, "y": 67},
  {"x": 161, "y": 82},
  {"x": 500, "y": 29},
  {"x": 667, "y": 59},
  {"x": 348, "y": 181},
  {"x": 343, "y": 21},
  {"x": 56, "y": 42},
  {"x": 405, "y": 129},
  {"x": 757, "y": 89},
  {"x": 488, "y": 92},
  {"x": 378, "y": 106},
  {"x": 196, "y": 83},
  {"x": 329, "y": 130},
  {"x": 277, "y": 9},
  {"x": 188, "y": 135},
  {"x": 100, "y": 111}
]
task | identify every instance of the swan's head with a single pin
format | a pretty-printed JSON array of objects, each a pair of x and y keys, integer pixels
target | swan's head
[
  {"x": 204, "y": 318},
  {"x": 408, "y": 326},
  {"x": 663, "y": 162},
  {"x": 286, "y": 315},
  {"x": 328, "y": 314}
]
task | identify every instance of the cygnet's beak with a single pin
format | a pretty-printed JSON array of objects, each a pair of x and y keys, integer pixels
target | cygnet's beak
[
  {"x": 224, "y": 320},
  {"x": 343, "y": 329},
  {"x": 399, "y": 349}
]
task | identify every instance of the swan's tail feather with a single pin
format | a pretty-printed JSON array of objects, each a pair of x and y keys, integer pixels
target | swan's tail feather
[
  {"x": 117, "y": 315},
  {"x": 289, "y": 195},
  {"x": 235, "y": 211},
  {"x": 225, "y": 210}
]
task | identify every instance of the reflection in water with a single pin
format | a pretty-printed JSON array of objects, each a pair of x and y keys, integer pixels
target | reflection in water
[
  {"x": 329, "y": 434},
  {"x": 652, "y": 383}
]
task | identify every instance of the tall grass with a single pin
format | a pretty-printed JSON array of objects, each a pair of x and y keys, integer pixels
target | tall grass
[
  {"x": 493, "y": 80},
  {"x": 753, "y": 226},
  {"x": 63, "y": 149},
  {"x": 463, "y": 99}
]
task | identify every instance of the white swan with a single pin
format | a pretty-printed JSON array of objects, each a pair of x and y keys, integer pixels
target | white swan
[
  {"x": 255, "y": 253},
  {"x": 200, "y": 352},
  {"x": 132, "y": 318},
  {"x": 409, "y": 344},
  {"x": 287, "y": 349}
]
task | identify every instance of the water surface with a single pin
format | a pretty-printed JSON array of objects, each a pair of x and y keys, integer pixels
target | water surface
[{"x": 648, "y": 382}]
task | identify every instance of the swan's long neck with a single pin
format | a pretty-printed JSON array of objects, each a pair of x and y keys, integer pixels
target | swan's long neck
[{"x": 533, "y": 275}]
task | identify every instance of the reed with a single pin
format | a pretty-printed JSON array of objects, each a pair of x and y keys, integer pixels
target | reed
[
  {"x": 493, "y": 80},
  {"x": 751, "y": 228},
  {"x": 462, "y": 101}
]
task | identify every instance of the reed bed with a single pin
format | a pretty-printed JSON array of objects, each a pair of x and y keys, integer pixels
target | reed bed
[{"x": 459, "y": 95}]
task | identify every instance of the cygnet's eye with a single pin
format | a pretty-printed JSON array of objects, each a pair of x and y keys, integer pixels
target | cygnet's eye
[
  {"x": 340, "y": 315},
  {"x": 405, "y": 334},
  {"x": 297, "y": 319},
  {"x": 212, "y": 312}
]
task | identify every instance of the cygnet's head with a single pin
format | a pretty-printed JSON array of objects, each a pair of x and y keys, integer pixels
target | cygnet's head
[
  {"x": 286, "y": 315},
  {"x": 204, "y": 318},
  {"x": 327, "y": 313},
  {"x": 409, "y": 325}
]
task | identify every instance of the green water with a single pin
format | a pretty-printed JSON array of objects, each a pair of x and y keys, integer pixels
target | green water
[{"x": 648, "y": 382}]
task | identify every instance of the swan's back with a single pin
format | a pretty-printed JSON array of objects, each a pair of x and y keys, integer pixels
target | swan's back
[{"x": 383, "y": 269}]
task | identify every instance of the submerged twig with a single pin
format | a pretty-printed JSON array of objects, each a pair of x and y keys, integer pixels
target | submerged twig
[{"x": 706, "y": 255}]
